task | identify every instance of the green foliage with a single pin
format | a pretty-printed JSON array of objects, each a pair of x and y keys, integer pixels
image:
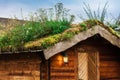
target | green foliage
[
  {"x": 88, "y": 24},
  {"x": 50, "y": 25},
  {"x": 49, "y": 41},
  {"x": 70, "y": 33},
  {"x": 99, "y": 16},
  {"x": 3, "y": 41},
  {"x": 91, "y": 23},
  {"x": 33, "y": 30},
  {"x": 95, "y": 15},
  {"x": 56, "y": 13},
  {"x": 39, "y": 26},
  {"x": 56, "y": 27},
  {"x": 53, "y": 39},
  {"x": 67, "y": 36},
  {"x": 115, "y": 24},
  {"x": 84, "y": 26}
]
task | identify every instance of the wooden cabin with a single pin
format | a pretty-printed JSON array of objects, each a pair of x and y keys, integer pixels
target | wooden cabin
[{"x": 93, "y": 54}]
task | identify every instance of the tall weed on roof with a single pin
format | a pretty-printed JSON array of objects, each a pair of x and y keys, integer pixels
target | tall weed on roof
[
  {"x": 95, "y": 15},
  {"x": 40, "y": 25}
]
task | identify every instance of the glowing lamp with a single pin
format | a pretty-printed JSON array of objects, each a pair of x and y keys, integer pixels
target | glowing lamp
[{"x": 65, "y": 57}]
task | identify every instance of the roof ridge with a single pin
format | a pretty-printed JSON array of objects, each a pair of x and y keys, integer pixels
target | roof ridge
[{"x": 61, "y": 46}]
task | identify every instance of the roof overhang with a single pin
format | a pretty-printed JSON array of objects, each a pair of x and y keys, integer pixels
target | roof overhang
[{"x": 64, "y": 45}]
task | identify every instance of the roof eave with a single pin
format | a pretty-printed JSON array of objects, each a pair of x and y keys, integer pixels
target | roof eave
[{"x": 64, "y": 45}]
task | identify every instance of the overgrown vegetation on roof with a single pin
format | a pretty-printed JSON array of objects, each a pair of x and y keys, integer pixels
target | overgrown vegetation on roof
[
  {"x": 48, "y": 27},
  {"x": 40, "y": 24},
  {"x": 99, "y": 14},
  {"x": 67, "y": 34},
  {"x": 115, "y": 24}
]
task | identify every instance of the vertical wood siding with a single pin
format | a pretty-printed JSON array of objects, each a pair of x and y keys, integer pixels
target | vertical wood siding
[
  {"x": 93, "y": 64},
  {"x": 83, "y": 66},
  {"x": 88, "y": 62},
  {"x": 109, "y": 57},
  {"x": 44, "y": 71}
]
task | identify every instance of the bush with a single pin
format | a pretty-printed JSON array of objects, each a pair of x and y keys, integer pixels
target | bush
[{"x": 36, "y": 28}]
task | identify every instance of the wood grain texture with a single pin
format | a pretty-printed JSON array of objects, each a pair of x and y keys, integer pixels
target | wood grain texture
[
  {"x": 20, "y": 67},
  {"x": 63, "y": 71},
  {"x": 83, "y": 66},
  {"x": 64, "y": 45},
  {"x": 110, "y": 66}
]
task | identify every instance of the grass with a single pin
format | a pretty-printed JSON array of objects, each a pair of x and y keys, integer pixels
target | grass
[
  {"x": 53, "y": 39},
  {"x": 36, "y": 28},
  {"x": 46, "y": 28},
  {"x": 95, "y": 15},
  {"x": 115, "y": 24},
  {"x": 31, "y": 31}
]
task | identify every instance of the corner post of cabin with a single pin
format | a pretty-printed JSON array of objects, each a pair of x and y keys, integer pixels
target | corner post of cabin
[
  {"x": 98, "y": 65},
  {"x": 48, "y": 69}
]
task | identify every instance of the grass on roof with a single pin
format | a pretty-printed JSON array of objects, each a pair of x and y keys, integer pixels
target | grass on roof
[
  {"x": 31, "y": 31},
  {"x": 44, "y": 35}
]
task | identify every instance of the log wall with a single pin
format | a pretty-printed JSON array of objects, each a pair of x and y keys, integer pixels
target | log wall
[
  {"x": 109, "y": 57},
  {"x": 20, "y": 66},
  {"x": 106, "y": 62},
  {"x": 63, "y": 71},
  {"x": 110, "y": 65}
]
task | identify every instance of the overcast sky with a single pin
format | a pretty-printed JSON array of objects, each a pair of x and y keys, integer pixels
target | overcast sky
[{"x": 11, "y": 8}]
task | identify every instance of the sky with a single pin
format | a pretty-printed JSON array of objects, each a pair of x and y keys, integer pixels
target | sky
[{"x": 22, "y": 8}]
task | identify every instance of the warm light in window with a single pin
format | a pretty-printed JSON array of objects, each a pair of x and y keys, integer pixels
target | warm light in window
[{"x": 60, "y": 60}]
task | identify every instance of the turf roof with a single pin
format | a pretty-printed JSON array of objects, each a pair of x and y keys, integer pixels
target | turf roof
[{"x": 48, "y": 41}]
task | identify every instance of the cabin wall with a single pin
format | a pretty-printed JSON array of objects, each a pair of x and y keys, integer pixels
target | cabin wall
[
  {"x": 109, "y": 57},
  {"x": 64, "y": 71},
  {"x": 20, "y": 66},
  {"x": 110, "y": 63},
  {"x": 44, "y": 71},
  {"x": 56, "y": 69},
  {"x": 92, "y": 59}
]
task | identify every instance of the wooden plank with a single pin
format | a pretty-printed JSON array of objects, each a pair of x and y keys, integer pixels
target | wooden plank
[
  {"x": 65, "y": 71},
  {"x": 110, "y": 66},
  {"x": 93, "y": 66},
  {"x": 83, "y": 66},
  {"x": 109, "y": 63},
  {"x": 18, "y": 78}
]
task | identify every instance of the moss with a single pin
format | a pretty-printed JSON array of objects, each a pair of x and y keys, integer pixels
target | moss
[
  {"x": 114, "y": 32},
  {"x": 51, "y": 40},
  {"x": 44, "y": 42},
  {"x": 83, "y": 26},
  {"x": 90, "y": 23},
  {"x": 67, "y": 36},
  {"x": 32, "y": 44}
]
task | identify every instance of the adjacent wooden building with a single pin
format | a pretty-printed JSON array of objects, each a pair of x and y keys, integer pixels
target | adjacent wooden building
[{"x": 93, "y": 54}]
